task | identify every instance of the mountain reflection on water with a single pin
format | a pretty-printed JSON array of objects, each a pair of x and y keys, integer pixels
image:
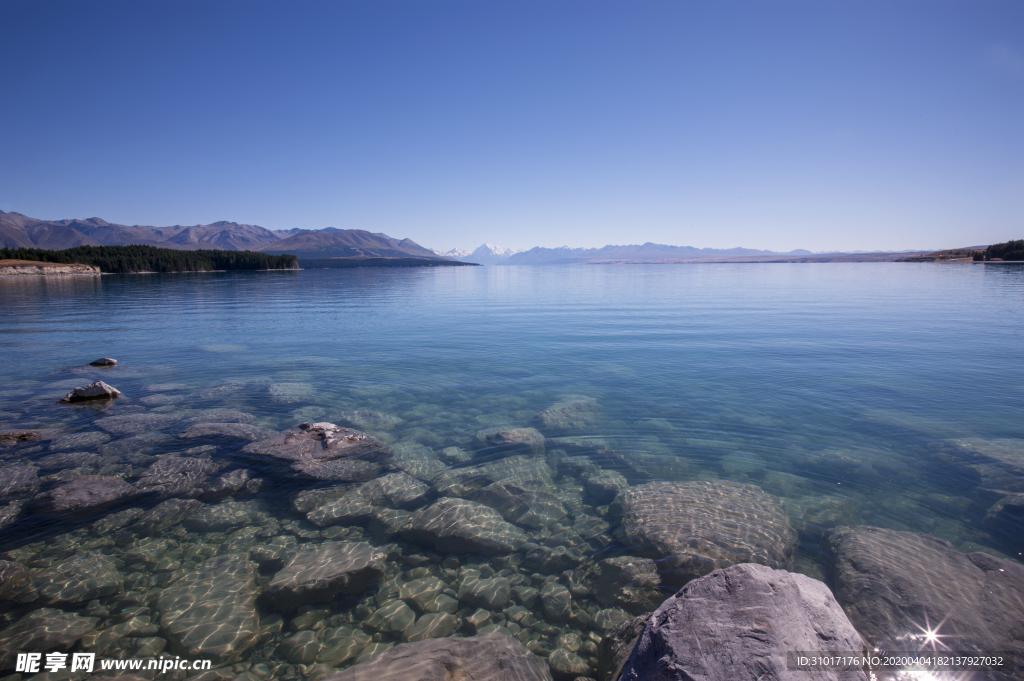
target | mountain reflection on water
[{"x": 548, "y": 452}]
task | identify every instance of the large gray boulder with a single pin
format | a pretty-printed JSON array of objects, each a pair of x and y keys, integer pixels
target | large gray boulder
[
  {"x": 318, "y": 573},
  {"x": 461, "y": 526},
  {"x": 211, "y": 612},
  {"x": 692, "y": 528},
  {"x": 84, "y": 495},
  {"x": 894, "y": 584},
  {"x": 489, "y": 657},
  {"x": 738, "y": 624}
]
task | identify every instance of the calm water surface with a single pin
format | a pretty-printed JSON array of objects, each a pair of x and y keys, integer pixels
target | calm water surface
[{"x": 848, "y": 391}]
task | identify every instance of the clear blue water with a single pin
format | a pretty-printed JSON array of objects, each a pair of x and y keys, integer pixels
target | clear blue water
[{"x": 842, "y": 389}]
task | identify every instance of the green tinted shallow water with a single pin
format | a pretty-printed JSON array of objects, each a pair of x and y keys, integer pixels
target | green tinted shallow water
[{"x": 854, "y": 393}]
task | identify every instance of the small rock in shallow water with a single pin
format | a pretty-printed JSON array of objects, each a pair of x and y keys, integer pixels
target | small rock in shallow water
[
  {"x": 104, "y": 362},
  {"x": 94, "y": 391},
  {"x": 491, "y": 657},
  {"x": 175, "y": 476},
  {"x": 556, "y": 601},
  {"x": 491, "y": 594},
  {"x": 754, "y": 616},
  {"x": 15, "y": 582},
  {"x": 627, "y": 582},
  {"x": 317, "y": 573},
  {"x": 393, "y": 617},
  {"x": 300, "y": 648},
  {"x": 18, "y": 480},
  {"x": 165, "y": 515},
  {"x": 432, "y": 625},
  {"x": 566, "y": 665}
]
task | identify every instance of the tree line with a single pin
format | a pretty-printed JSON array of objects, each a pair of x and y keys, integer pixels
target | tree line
[
  {"x": 1011, "y": 250},
  {"x": 127, "y": 259}
]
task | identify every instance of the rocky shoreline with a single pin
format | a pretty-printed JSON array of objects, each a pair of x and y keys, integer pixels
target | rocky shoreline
[
  {"x": 19, "y": 268},
  {"x": 332, "y": 549}
]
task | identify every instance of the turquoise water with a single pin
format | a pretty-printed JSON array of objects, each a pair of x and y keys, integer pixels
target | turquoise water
[{"x": 848, "y": 391}]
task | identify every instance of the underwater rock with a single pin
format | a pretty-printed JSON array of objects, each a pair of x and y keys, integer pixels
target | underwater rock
[
  {"x": 894, "y": 585},
  {"x": 18, "y": 480},
  {"x": 103, "y": 362},
  {"x": 10, "y": 513},
  {"x": 385, "y": 522},
  {"x": 341, "y": 645},
  {"x": 1005, "y": 520},
  {"x": 115, "y": 521},
  {"x": 165, "y": 515},
  {"x": 488, "y": 657},
  {"x": 520, "y": 505},
  {"x": 230, "y": 483},
  {"x": 61, "y": 460},
  {"x": 754, "y": 615},
  {"x": 370, "y": 420},
  {"x": 20, "y": 435},
  {"x": 94, "y": 391},
  {"x": 239, "y": 431},
  {"x": 491, "y": 594},
  {"x": 78, "y": 579},
  {"x": 211, "y": 612},
  {"x": 44, "y": 630},
  {"x": 626, "y": 582},
  {"x": 574, "y": 414},
  {"x": 319, "y": 442},
  {"x": 177, "y": 476},
  {"x": 550, "y": 561},
  {"x": 134, "y": 424},
  {"x": 353, "y": 507},
  {"x": 566, "y": 665},
  {"x": 432, "y": 625},
  {"x": 342, "y": 470},
  {"x": 83, "y": 495},
  {"x": 616, "y": 646},
  {"x": 556, "y": 601},
  {"x": 317, "y": 573},
  {"x": 461, "y": 526},
  {"x": 223, "y": 516},
  {"x": 510, "y": 440},
  {"x": 15, "y": 582},
  {"x": 420, "y": 593},
  {"x": 392, "y": 617},
  {"x": 1000, "y": 463},
  {"x": 692, "y": 528},
  {"x": 356, "y": 504},
  {"x": 603, "y": 487},
  {"x": 300, "y": 648}
]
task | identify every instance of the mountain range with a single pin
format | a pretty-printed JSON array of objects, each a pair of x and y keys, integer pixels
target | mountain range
[
  {"x": 20, "y": 231},
  {"x": 488, "y": 254}
]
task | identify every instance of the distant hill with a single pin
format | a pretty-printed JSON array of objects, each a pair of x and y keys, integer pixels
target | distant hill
[
  {"x": 21, "y": 231},
  {"x": 487, "y": 254},
  {"x": 635, "y": 253}
]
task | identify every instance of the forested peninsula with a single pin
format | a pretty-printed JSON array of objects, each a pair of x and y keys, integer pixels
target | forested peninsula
[{"x": 129, "y": 259}]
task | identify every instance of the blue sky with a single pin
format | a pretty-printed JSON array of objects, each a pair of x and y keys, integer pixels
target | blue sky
[{"x": 819, "y": 125}]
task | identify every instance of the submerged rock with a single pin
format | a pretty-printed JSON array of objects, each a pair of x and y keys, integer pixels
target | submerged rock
[
  {"x": 521, "y": 505},
  {"x": 223, "y": 516},
  {"x": 395, "y": 490},
  {"x": 211, "y": 612},
  {"x": 165, "y": 515},
  {"x": 738, "y": 624},
  {"x": 231, "y": 483},
  {"x": 488, "y": 657},
  {"x": 176, "y": 476},
  {"x": 1000, "y": 463},
  {"x": 94, "y": 391},
  {"x": 692, "y": 528},
  {"x": 18, "y": 480},
  {"x": 238, "y": 431},
  {"x": 319, "y": 442},
  {"x": 1005, "y": 520},
  {"x": 556, "y": 601},
  {"x": 895, "y": 585},
  {"x": 10, "y": 513},
  {"x": 507, "y": 440},
  {"x": 461, "y": 526},
  {"x": 318, "y": 573},
  {"x": 626, "y": 582},
  {"x": 575, "y": 414},
  {"x": 617, "y": 644},
  {"x": 133, "y": 424},
  {"x": 43, "y": 631},
  {"x": 83, "y": 495},
  {"x": 15, "y": 582},
  {"x": 20, "y": 435},
  {"x": 104, "y": 362},
  {"x": 79, "y": 579}
]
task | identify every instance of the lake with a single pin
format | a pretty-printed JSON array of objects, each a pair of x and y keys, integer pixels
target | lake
[{"x": 880, "y": 394}]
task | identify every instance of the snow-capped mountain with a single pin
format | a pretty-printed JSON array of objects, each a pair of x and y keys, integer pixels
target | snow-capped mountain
[{"x": 488, "y": 254}]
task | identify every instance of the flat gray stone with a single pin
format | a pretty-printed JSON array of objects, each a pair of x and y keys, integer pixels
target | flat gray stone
[
  {"x": 83, "y": 495},
  {"x": 79, "y": 579},
  {"x": 567, "y": 666},
  {"x": 738, "y": 624},
  {"x": 318, "y": 573},
  {"x": 420, "y": 593},
  {"x": 431, "y": 625},
  {"x": 461, "y": 526},
  {"x": 692, "y": 528},
  {"x": 490, "y": 657},
  {"x": 211, "y": 612},
  {"x": 893, "y": 584}
]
